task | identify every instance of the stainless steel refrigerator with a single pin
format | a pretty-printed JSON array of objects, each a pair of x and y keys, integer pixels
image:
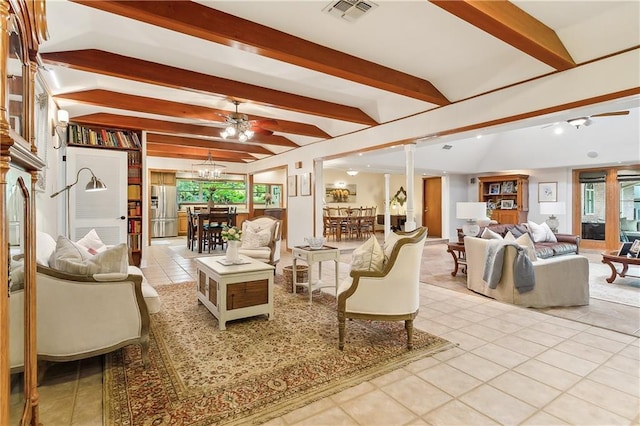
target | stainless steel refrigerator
[{"x": 164, "y": 211}]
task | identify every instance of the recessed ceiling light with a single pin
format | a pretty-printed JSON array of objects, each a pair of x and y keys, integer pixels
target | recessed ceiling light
[
  {"x": 479, "y": 136},
  {"x": 592, "y": 154},
  {"x": 558, "y": 130},
  {"x": 360, "y": 154}
]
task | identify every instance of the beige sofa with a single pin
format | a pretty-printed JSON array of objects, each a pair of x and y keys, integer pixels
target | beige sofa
[
  {"x": 559, "y": 280},
  {"x": 80, "y": 316}
]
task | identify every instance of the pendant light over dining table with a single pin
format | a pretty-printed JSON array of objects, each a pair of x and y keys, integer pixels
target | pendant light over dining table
[{"x": 209, "y": 170}]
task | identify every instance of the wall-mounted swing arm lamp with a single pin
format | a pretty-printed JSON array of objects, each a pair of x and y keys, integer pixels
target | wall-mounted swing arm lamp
[
  {"x": 94, "y": 185},
  {"x": 60, "y": 126}
]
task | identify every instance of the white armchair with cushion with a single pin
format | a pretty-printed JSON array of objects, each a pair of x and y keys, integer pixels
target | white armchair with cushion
[
  {"x": 261, "y": 239},
  {"x": 559, "y": 280},
  {"x": 80, "y": 316},
  {"x": 386, "y": 291}
]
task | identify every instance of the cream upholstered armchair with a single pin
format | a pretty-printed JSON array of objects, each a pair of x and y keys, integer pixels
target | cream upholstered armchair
[
  {"x": 389, "y": 295},
  {"x": 261, "y": 238}
]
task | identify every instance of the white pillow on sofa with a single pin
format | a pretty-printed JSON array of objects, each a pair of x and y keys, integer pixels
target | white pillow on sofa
[
  {"x": 525, "y": 242},
  {"x": 92, "y": 242},
  {"x": 541, "y": 233},
  {"x": 73, "y": 259},
  {"x": 45, "y": 246}
]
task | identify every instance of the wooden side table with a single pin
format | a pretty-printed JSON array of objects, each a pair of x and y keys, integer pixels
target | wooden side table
[
  {"x": 459, "y": 257},
  {"x": 312, "y": 256}
]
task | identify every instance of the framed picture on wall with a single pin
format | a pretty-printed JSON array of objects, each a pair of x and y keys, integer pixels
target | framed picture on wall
[
  {"x": 305, "y": 184},
  {"x": 547, "y": 192},
  {"x": 292, "y": 186}
]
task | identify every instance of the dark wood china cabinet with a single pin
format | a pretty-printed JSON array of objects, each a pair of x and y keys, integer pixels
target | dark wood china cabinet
[{"x": 22, "y": 29}]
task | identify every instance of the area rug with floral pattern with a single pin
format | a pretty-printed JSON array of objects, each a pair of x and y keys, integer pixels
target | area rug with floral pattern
[{"x": 256, "y": 369}]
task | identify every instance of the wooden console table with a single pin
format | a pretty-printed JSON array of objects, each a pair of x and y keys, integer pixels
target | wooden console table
[
  {"x": 459, "y": 257},
  {"x": 612, "y": 257}
]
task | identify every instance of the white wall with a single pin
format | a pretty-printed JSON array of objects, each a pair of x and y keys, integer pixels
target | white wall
[{"x": 47, "y": 210}]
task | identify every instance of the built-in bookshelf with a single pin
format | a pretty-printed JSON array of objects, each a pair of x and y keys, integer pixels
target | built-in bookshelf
[{"x": 130, "y": 141}]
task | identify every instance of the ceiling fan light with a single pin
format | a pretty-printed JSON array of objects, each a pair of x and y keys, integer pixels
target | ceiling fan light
[
  {"x": 352, "y": 172},
  {"x": 249, "y": 134},
  {"x": 242, "y": 137},
  {"x": 581, "y": 121},
  {"x": 231, "y": 131}
]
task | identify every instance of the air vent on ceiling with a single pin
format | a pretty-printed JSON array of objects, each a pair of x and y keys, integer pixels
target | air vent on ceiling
[
  {"x": 349, "y": 10},
  {"x": 447, "y": 147}
]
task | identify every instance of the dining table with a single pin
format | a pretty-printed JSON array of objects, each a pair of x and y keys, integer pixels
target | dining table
[{"x": 202, "y": 217}]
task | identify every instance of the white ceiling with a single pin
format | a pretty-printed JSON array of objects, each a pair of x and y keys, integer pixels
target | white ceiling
[{"x": 415, "y": 37}]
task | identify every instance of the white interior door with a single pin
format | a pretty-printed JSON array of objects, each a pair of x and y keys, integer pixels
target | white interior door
[{"x": 104, "y": 211}]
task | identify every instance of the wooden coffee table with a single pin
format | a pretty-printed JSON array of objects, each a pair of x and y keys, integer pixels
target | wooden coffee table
[
  {"x": 612, "y": 257},
  {"x": 234, "y": 291}
]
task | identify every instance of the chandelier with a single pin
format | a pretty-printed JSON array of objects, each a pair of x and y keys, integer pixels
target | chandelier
[
  {"x": 237, "y": 125},
  {"x": 208, "y": 169}
]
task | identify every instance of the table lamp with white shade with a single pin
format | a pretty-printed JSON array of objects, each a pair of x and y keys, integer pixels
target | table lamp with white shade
[
  {"x": 471, "y": 211},
  {"x": 553, "y": 209}
]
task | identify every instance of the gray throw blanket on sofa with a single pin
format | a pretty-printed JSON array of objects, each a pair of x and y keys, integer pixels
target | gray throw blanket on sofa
[{"x": 523, "y": 273}]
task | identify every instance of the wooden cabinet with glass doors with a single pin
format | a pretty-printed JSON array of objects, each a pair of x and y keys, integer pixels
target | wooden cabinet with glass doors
[{"x": 22, "y": 29}]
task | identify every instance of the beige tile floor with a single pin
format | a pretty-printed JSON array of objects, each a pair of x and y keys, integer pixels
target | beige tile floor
[{"x": 512, "y": 365}]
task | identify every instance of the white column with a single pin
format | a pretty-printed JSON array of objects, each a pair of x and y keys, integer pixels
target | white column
[
  {"x": 409, "y": 151},
  {"x": 387, "y": 213}
]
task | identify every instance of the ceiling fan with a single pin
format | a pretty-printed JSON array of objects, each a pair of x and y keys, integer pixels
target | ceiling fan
[
  {"x": 587, "y": 120},
  {"x": 239, "y": 126}
]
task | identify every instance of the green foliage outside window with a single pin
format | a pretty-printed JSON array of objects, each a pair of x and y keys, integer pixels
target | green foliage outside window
[{"x": 221, "y": 192}]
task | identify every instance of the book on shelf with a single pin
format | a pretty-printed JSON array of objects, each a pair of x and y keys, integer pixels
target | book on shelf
[
  {"x": 134, "y": 192},
  {"x": 135, "y": 226},
  {"x": 135, "y": 209},
  {"x": 135, "y": 241},
  {"x": 82, "y": 135}
]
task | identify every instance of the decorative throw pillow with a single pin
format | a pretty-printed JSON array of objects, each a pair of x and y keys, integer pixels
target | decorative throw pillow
[
  {"x": 45, "y": 246},
  {"x": 541, "y": 233},
  {"x": 368, "y": 257},
  {"x": 525, "y": 242},
  {"x": 16, "y": 273},
  {"x": 111, "y": 260},
  {"x": 518, "y": 230},
  {"x": 67, "y": 251},
  {"x": 389, "y": 244},
  {"x": 488, "y": 234},
  {"x": 92, "y": 242},
  {"x": 253, "y": 239}
]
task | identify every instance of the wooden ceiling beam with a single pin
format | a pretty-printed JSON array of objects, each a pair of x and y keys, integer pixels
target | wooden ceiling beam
[
  {"x": 109, "y": 99},
  {"x": 183, "y": 156},
  {"x": 213, "y": 25},
  {"x": 200, "y": 152},
  {"x": 114, "y": 65},
  {"x": 514, "y": 26},
  {"x": 136, "y": 123},
  {"x": 207, "y": 143}
]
